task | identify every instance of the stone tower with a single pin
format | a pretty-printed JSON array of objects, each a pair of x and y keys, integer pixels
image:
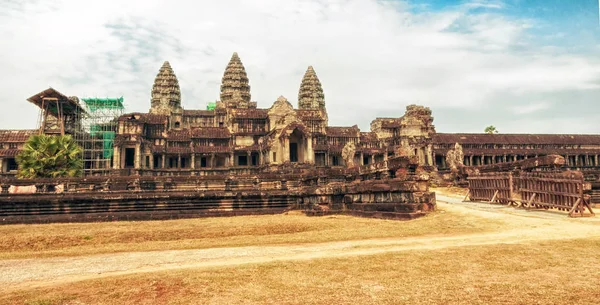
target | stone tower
[
  {"x": 235, "y": 88},
  {"x": 311, "y": 93},
  {"x": 166, "y": 96}
]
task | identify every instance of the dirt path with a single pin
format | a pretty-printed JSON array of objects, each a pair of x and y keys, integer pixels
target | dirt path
[{"x": 521, "y": 227}]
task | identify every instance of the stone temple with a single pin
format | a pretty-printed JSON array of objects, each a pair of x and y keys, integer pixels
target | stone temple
[
  {"x": 170, "y": 139},
  {"x": 235, "y": 134},
  {"x": 234, "y": 158}
]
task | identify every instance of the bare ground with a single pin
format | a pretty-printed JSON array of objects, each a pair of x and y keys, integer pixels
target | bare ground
[{"x": 518, "y": 227}]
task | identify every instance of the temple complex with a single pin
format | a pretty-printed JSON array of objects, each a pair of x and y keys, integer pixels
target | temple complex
[
  {"x": 169, "y": 139},
  {"x": 235, "y": 134},
  {"x": 234, "y": 158}
]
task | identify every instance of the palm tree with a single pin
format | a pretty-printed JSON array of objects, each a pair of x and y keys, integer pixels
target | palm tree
[
  {"x": 491, "y": 129},
  {"x": 45, "y": 156}
]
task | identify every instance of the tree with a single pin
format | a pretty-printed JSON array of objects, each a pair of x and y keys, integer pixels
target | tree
[
  {"x": 491, "y": 129},
  {"x": 46, "y": 156}
]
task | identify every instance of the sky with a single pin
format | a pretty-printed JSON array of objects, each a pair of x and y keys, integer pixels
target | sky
[{"x": 524, "y": 66}]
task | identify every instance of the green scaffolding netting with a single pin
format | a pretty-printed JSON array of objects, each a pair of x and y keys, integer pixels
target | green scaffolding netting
[
  {"x": 211, "y": 106},
  {"x": 108, "y": 138},
  {"x": 95, "y": 103}
]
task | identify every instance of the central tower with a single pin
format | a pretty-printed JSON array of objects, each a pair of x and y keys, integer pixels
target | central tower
[
  {"x": 311, "y": 94},
  {"x": 235, "y": 88},
  {"x": 166, "y": 95}
]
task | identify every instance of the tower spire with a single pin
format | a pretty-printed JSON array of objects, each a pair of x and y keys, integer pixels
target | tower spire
[
  {"x": 311, "y": 94},
  {"x": 235, "y": 88},
  {"x": 166, "y": 95}
]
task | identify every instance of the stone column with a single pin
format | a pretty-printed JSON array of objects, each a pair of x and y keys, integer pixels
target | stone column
[
  {"x": 193, "y": 161},
  {"x": 164, "y": 158},
  {"x": 231, "y": 159},
  {"x": 212, "y": 160},
  {"x": 249, "y": 158},
  {"x": 587, "y": 160},
  {"x": 117, "y": 158},
  {"x": 260, "y": 158},
  {"x": 310, "y": 153},
  {"x": 372, "y": 158},
  {"x": 595, "y": 160},
  {"x": 178, "y": 161},
  {"x": 471, "y": 160},
  {"x": 504, "y": 158},
  {"x": 138, "y": 156},
  {"x": 430, "y": 158},
  {"x": 362, "y": 158},
  {"x": 286, "y": 150},
  {"x": 151, "y": 161}
]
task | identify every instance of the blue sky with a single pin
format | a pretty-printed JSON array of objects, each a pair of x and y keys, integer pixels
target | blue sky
[{"x": 526, "y": 66}]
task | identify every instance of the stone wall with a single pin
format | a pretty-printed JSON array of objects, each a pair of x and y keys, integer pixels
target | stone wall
[{"x": 373, "y": 191}]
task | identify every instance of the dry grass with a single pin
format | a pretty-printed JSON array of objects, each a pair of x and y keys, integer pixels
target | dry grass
[
  {"x": 47, "y": 240},
  {"x": 556, "y": 272}
]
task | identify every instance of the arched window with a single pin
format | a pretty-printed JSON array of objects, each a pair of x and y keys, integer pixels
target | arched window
[{"x": 177, "y": 124}]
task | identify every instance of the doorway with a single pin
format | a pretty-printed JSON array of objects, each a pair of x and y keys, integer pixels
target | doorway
[
  {"x": 293, "y": 152},
  {"x": 129, "y": 157}
]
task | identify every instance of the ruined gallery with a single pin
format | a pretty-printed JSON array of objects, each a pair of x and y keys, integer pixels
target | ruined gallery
[{"x": 238, "y": 158}]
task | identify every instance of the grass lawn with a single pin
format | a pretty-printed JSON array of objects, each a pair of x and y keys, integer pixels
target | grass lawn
[
  {"x": 47, "y": 240},
  {"x": 553, "y": 272}
]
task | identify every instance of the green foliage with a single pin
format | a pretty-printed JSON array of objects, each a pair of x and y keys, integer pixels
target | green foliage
[
  {"x": 491, "y": 129},
  {"x": 46, "y": 156}
]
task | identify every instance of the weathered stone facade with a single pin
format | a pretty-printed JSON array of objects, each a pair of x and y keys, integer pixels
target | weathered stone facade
[{"x": 170, "y": 140}]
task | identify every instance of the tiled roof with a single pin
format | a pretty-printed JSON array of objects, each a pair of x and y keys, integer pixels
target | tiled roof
[
  {"x": 16, "y": 136},
  {"x": 484, "y": 138},
  {"x": 210, "y": 133},
  {"x": 342, "y": 131},
  {"x": 198, "y": 113},
  {"x": 368, "y": 137},
  {"x": 9, "y": 152},
  {"x": 147, "y": 118},
  {"x": 250, "y": 113},
  {"x": 179, "y": 135}
]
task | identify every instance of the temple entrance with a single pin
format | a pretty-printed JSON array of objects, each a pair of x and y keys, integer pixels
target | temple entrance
[
  {"x": 293, "y": 152},
  {"x": 296, "y": 147},
  {"x": 129, "y": 157}
]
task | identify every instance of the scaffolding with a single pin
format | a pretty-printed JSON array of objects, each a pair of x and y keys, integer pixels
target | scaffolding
[{"x": 99, "y": 124}]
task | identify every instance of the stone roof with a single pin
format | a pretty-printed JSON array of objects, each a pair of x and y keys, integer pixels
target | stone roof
[
  {"x": 198, "y": 113},
  {"x": 166, "y": 95},
  {"x": 179, "y": 135},
  {"x": 235, "y": 80},
  {"x": 16, "y": 136},
  {"x": 148, "y": 118},
  {"x": 368, "y": 137},
  {"x": 333, "y": 131},
  {"x": 311, "y": 94},
  {"x": 210, "y": 133},
  {"x": 9, "y": 152},
  {"x": 483, "y": 138},
  {"x": 250, "y": 113}
]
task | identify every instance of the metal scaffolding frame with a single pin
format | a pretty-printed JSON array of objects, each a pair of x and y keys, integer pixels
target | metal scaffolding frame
[{"x": 99, "y": 124}]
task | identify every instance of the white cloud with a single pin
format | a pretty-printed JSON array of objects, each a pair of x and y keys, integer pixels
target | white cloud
[{"x": 371, "y": 56}]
